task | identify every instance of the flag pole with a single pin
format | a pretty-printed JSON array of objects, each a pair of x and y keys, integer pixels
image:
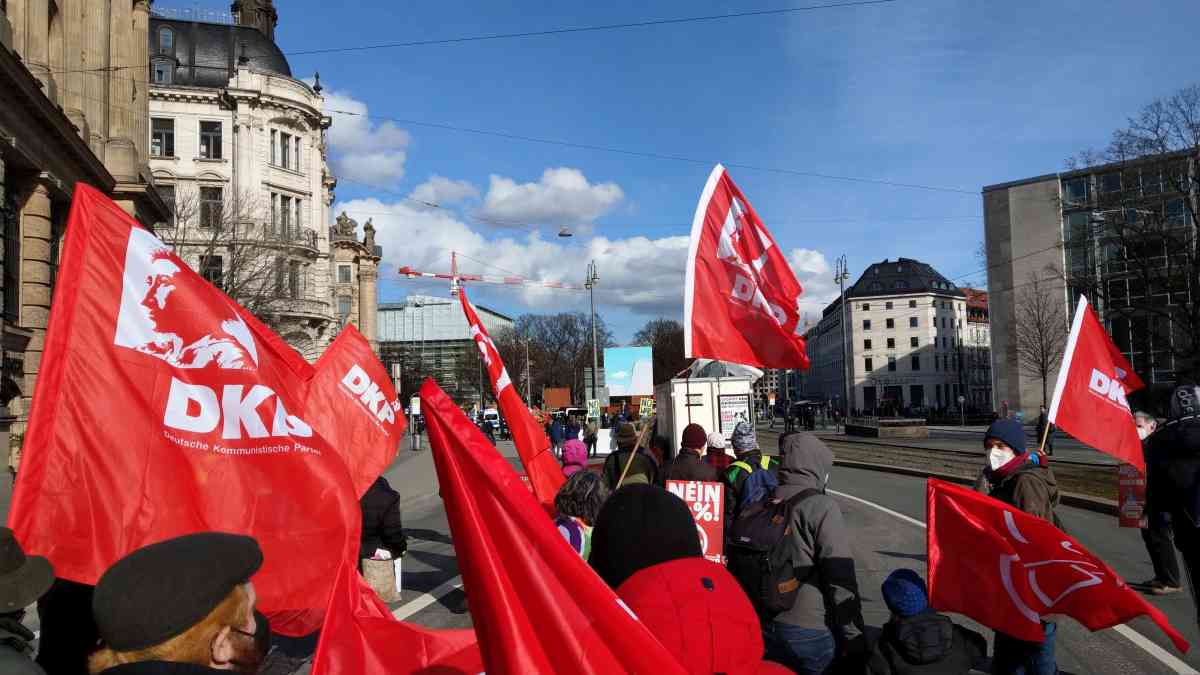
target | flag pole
[
  {"x": 636, "y": 446},
  {"x": 1045, "y": 433}
]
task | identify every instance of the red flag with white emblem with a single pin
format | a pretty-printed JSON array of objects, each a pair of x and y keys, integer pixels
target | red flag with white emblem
[
  {"x": 1007, "y": 569},
  {"x": 353, "y": 404},
  {"x": 163, "y": 408},
  {"x": 741, "y": 301},
  {"x": 1090, "y": 396},
  {"x": 545, "y": 474}
]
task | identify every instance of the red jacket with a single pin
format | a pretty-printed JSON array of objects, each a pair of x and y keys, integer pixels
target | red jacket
[{"x": 701, "y": 615}]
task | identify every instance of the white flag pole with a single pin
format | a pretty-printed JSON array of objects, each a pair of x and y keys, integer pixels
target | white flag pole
[{"x": 1065, "y": 368}]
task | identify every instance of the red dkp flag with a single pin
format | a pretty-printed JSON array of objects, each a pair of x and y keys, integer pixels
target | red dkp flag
[
  {"x": 353, "y": 404},
  {"x": 361, "y": 636},
  {"x": 540, "y": 608},
  {"x": 1007, "y": 569},
  {"x": 163, "y": 408},
  {"x": 1089, "y": 398},
  {"x": 741, "y": 299},
  {"x": 545, "y": 474}
]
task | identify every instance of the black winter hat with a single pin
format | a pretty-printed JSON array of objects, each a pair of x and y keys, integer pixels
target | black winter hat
[
  {"x": 161, "y": 590},
  {"x": 640, "y": 526}
]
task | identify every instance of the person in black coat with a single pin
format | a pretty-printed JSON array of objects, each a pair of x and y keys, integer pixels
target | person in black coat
[
  {"x": 918, "y": 640},
  {"x": 381, "y": 526}
]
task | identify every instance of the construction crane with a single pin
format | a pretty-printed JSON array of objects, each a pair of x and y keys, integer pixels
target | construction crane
[{"x": 456, "y": 279}]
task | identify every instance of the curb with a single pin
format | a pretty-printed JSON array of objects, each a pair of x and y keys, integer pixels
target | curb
[{"x": 1085, "y": 502}]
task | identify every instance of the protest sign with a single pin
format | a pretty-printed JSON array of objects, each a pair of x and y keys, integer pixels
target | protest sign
[
  {"x": 1131, "y": 496},
  {"x": 706, "y": 501}
]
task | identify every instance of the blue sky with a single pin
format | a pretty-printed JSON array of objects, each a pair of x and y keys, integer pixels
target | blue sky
[{"x": 955, "y": 94}]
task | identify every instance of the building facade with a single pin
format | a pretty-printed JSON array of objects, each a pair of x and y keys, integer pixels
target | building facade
[
  {"x": 238, "y": 148},
  {"x": 1094, "y": 231},
  {"x": 428, "y": 336},
  {"x": 977, "y": 351},
  {"x": 71, "y": 110},
  {"x": 905, "y": 326}
]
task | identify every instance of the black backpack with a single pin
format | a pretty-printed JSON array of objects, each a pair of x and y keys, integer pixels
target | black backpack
[{"x": 760, "y": 553}]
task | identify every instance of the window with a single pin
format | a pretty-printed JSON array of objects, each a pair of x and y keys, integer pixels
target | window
[
  {"x": 285, "y": 217},
  {"x": 162, "y": 137},
  {"x": 1110, "y": 182},
  {"x": 344, "y": 278},
  {"x": 868, "y": 365},
  {"x": 212, "y": 205},
  {"x": 900, "y": 285},
  {"x": 344, "y": 306},
  {"x": 890, "y": 323},
  {"x": 162, "y": 71},
  {"x": 296, "y": 153},
  {"x": 866, "y": 306},
  {"x": 294, "y": 279},
  {"x": 210, "y": 140},
  {"x": 912, "y": 304},
  {"x": 914, "y": 342},
  {"x": 280, "y": 276},
  {"x": 274, "y": 147},
  {"x": 166, "y": 41},
  {"x": 887, "y": 305},
  {"x": 866, "y": 324},
  {"x": 866, "y": 343},
  {"x": 285, "y": 148},
  {"x": 912, "y": 322},
  {"x": 937, "y": 362},
  {"x": 916, "y": 363},
  {"x": 1176, "y": 213},
  {"x": 1077, "y": 191},
  {"x": 892, "y": 364},
  {"x": 875, "y": 285},
  {"x": 166, "y": 192},
  {"x": 891, "y": 343},
  {"x": 212, "y": 268}
]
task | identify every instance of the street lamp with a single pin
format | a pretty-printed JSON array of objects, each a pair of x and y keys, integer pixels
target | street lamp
[
  {"x": 590, "y": 284},
  {"x": 840, "y": 274}
]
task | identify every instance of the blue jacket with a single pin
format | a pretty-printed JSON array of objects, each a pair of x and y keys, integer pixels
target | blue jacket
[{"x": 556, "y": 432}]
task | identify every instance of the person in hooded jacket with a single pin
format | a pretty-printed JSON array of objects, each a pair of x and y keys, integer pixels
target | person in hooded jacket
[
  {"x": 646, "y": 548},
  {"x": 1019, "y": 478},
  {"x": 643, "y": 470},
  {"x": 825, "y": 624},
  {"x": 918, "y": 640},
  {"x": 382, "y": 527},
  {"x": 574, "y": 457},
  {"x": 688, "y": 464},
  {"x": 1173, "y": 478}
]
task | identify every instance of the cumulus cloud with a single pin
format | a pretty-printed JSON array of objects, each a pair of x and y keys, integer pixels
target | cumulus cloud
[
  {"x": 563, "y": 196},
  {"x": 815, "y": 275},
  {"x": 444, "y": 191},
  {"x": 361, "y": 150}
]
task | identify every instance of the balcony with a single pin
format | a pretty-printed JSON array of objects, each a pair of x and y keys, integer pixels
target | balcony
[
  {"x": 300, "y": 308},
  {"x": 301, "y": 237}
]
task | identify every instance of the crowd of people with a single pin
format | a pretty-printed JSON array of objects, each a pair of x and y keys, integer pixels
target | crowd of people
[{"x": 642, "y": 541}]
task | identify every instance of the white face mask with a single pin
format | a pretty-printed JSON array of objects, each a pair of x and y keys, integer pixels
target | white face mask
[
  {"x": 998, "y": 457},
  {"x": 1143, "y": 432}
]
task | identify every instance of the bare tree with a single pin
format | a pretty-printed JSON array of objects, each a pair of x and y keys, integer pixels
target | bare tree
[
  {"x": 1136, "y": 254},
  {"x": 665, "y": 337},
  {"x": 1040, "y": 330}
]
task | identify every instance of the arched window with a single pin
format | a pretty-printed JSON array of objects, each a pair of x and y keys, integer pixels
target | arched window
[{"x": 166, "y": 41}]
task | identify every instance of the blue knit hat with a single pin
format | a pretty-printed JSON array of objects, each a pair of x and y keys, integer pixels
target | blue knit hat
[
  {"x": 1009, "y": 431},
  {"x": 904, "y": 593}
]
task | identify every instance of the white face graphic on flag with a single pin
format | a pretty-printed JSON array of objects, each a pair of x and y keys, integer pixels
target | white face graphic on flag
[
  {"x": 745, "y": 246},
  {"x": 1083, "y": 574},
  {"x": 487, "y": 348}
]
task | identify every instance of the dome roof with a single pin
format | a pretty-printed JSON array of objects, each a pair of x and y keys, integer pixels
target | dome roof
[{"x": 204, "y": 54}]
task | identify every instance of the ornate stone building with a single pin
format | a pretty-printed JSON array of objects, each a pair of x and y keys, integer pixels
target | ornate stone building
[
  {"x": 238, "y": 148},
  {"x": 72, "y": 108}
]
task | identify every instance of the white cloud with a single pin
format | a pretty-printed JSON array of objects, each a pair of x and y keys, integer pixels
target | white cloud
[
  {"x": 562, "y": 197},
  {"x": 816, "y": 278},
  {"x": 444, "y": 191},
  {"x": 361, "y": 150}
]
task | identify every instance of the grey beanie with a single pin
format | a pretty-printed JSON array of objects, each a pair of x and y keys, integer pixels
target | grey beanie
[{"x": 743, "y": 439}]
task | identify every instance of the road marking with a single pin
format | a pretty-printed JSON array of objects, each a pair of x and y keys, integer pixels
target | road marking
[
  {"x": 426, "y": 599},
  {"x": 1168, "y": 659}
]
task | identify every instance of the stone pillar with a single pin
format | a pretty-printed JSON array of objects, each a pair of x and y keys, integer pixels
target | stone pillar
[
  {"x": 141, "y": 44},
  {"x": 75, "y": 28},
  {"x": 36, "y": 48},
  {"x": 120, "y": 153},
  {"x": 95, "y": 83},
  {"x": 35, "y": 279},
  {"x": 368, "y": 305}
]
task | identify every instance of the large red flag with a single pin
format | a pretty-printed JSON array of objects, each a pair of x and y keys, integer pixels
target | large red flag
[
  {"x": 163, "y": 408},
  {"x": 741, "y": 300},
  {"x": 1007, "y": 569},
  {"x": 1089, "y": 398},
  {"x": 361, "y": 636},
  {"x": 545, "y": 474},
  {"x": 353, "y": 404},
  {"x": 539, "y": 607}
]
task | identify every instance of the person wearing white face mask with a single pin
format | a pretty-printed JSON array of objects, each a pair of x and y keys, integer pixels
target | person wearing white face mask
[
  {"x": 1156, "y": 530},
  {"x": 1021, "y": 479}
]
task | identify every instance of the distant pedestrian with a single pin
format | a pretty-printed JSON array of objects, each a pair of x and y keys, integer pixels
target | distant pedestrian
[
  {"x": 716, "y": 456},
  {"x": 183, "y": 605},
  {"x": 577, "y": 504},
  {"x": 382, "y": 527},
  {"x": 1156, "y": 529},
  {"x": 643, "y": 468},
  {"x": 688, "y": 464},
  {"x": 558, "y": 435},
  {"x": 574, "y": 457},
  {"x": 590, "y": 434},
  {"x": 573, "y": 429},
  {"x": 646, "y": 548},
  {"x": 916, "y": 640},
  {"x": 1018, "y": 478},
  {"x": 1045, "y": 428},
  {"x": 23, "y": 579}
]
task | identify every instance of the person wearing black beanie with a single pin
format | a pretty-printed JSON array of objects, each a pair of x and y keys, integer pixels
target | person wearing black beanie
[{"x": 640, "y": 526}]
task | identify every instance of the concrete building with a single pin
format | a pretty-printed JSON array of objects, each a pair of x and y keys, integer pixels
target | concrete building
[
  {"x": 977, "y": 352},
  {"x": 238, "y": 147},
  {"x": 905, "y": 327},
  {"x": 71, "y": 110},
  {"x": 1061, "y": 229},
  {"x": 429, "y": 336}
]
